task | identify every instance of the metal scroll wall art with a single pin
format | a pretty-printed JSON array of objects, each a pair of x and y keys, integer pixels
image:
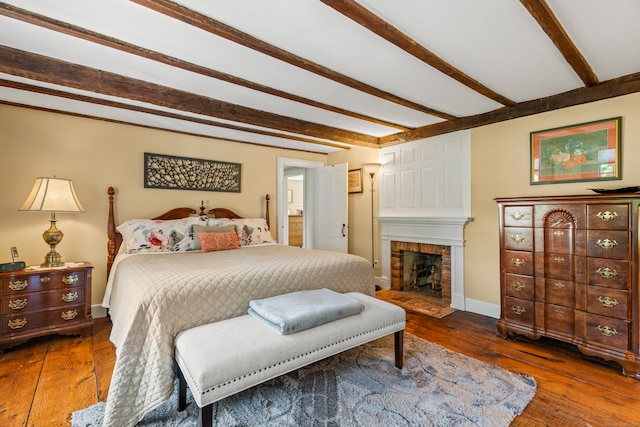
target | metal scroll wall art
[{"x": 183, "y": 173}]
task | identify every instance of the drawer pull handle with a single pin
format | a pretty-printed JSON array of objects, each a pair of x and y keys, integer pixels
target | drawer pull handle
[
  {"x": 559, "y": 311},
  {"x": 558, "y": 233},
  {"x": 70, "y": 314},
  {"x": 607, "y": 301},
  {"x": 558, "y": 258},
  {"x": 607, "y": 215},
  {"x": 18, "y": 323},
  {"x": 606, "y": 243},
  {"x": 518, "y": 310},
  {"x": 518, "y": 262},
  {"x": 517, "y": 215},
  {"x": 607, "y": 272},
  {"x": 18, "y": 285},
  {"x": 45, "y": 279},
  {"x": 70, "y": 297},
  {"x": 70, "y": 279},
  {"x": 17, "y": 304},
  {"x": 517, "y": 238},
  {"x": 559, "y": 285},
  {"x": 518, "y": 286},
  {"x": 607, "y": 331}
]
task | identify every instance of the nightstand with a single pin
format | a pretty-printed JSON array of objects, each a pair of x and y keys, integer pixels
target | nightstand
[{"x": 43, "y": 302}]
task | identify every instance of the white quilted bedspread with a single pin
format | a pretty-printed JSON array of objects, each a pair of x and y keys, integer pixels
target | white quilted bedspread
[{"x": 155, "y": 296}]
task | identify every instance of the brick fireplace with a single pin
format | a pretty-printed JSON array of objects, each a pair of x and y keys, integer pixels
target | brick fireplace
[
  {"x": 430, "y": 235},
  {"x": 402, "y": 275}
]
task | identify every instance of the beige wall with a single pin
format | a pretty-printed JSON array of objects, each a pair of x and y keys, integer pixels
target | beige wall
[
  {"x": 97, "y": 154},
  {"x": 500, "y": 168}
]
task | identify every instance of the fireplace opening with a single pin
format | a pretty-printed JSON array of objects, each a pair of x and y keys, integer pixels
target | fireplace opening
[
  {"x": 421, "y": 268},
  {"x": 422, "y": 273}
]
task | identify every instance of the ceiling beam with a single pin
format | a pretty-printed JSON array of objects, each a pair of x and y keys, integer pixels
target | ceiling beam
[
  {"x": 45, "y": 69},
  {"x": 609, "y": 89},
  {"x": 375, "y": 24},
  {"x": 91, "y": 36},
  {"x": 155, "y": 112},
  {"x": 206, "y": 23},
  {"x": 542, "y": 13}
]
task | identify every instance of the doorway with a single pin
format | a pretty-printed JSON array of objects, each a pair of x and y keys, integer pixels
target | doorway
[{"x": 295, "y": 205}]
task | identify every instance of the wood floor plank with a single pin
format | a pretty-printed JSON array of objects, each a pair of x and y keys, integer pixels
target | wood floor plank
[{"x": 105, "y": 357}]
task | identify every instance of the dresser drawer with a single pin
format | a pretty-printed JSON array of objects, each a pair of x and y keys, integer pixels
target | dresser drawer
[
  {"x": 35, "y": 301},
  {"x": 519, "y": 286},
  {"x": 518, "y": 263},
  {"x": 559, "y": 240},
  {"x": 609, "y": 273},
  {"x": 518, "y": 216},
  {"x": 518, "y": 311},
  {"x": 560, "y": 292},
  {"x": 610, "y": 332},
  {"x": 518, "y": 239},
  {"x": 608, "y": 217},
  {"x": 608, "y": 244},
  {"x": 40, "y": 282},
  {"x": 608, "y": 302},
  {"x": 559, "y": 266},
  {"x": 16, "y": 323},
  {"x": 559, "y": 320}
]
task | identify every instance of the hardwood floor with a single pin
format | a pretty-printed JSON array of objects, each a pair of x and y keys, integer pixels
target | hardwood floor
[{"x": 44, "y": 380}]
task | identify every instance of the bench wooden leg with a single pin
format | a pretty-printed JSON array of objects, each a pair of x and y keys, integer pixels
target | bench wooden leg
[
  {"x": 182, "y": 391},
  {"x": 206, "y": 416},
  {"x": 399, "y": 345}
]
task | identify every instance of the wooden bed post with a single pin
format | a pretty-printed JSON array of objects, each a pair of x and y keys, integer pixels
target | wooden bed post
[
  {"x": 266, "y": 199},
  {"x": 111, "y": 232}
]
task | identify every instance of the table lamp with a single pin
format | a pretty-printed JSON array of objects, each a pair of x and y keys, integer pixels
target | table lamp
[{"x": 52, "y": 195}]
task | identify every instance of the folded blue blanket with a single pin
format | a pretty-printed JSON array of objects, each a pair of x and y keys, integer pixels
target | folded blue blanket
[{"x": 297, "y": 311}]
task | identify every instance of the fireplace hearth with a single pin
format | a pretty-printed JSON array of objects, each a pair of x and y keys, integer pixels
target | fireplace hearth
[{"x": 422, "y": 268}]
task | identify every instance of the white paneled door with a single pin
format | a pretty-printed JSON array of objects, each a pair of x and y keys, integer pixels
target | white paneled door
[{"x": 332, "y": 208}]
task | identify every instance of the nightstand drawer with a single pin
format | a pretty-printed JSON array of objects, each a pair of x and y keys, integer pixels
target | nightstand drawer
[
  {"x": 42, "y": 319},
  {"x": 23, "y": 283},
  {"x": 36, "y": 301}
]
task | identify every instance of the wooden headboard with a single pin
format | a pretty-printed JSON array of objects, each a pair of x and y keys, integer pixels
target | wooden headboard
[{"x": 114, "y": 238}]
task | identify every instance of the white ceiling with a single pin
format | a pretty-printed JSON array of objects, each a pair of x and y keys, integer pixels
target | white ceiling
[{"x": 497, "y": 62}]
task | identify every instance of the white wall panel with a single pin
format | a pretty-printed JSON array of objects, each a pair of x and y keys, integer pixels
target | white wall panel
[{"x": 408, "y": 188}]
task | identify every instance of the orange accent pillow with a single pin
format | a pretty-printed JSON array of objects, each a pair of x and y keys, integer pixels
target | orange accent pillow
[{"x": 218, "y": 241}]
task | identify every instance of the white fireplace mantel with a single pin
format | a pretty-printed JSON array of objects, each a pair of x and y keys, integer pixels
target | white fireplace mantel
[{"x": 445, "y": 231}]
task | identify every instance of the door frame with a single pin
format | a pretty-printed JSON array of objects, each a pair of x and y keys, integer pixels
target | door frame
[{"x": 310, "y": 208}]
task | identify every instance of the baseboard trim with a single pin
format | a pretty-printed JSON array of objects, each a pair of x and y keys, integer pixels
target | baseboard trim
[
  {"x": 98, "y": 311},
  {"x": 483, "y": 308}
]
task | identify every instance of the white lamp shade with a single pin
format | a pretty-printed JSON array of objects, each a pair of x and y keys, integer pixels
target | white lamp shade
[
  {"x": 371, "y": 168},
  {"x": 52, "y": 195}
]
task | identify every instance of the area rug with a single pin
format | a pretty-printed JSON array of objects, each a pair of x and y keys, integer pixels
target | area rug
[
  {"x": 415, "y": 302},
  {"x": 362, "y": 387}
]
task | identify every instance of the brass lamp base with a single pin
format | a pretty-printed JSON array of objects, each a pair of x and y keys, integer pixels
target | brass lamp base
[{"x": 52, "y": 237}]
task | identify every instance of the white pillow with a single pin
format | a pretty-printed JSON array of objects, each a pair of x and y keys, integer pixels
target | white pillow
[
  {"x": 151, "y": 235},
  {"x": 251, "y": 231}
]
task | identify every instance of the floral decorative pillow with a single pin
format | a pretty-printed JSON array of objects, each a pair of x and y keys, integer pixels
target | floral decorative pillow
[
  {"x": 214, "y": 241},
  {"x": 150, "y": 235},
  {"x": 251, "y": 231},
  {"x": 197, "y": 229}
]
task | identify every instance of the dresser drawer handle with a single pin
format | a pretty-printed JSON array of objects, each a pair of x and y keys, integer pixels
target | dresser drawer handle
[
  {"x": 607, "y": 272},
  {"x": 518, "y": 286},
  {"x": 518, "y": 215},
  {"x": 607, "y": 215},
  {"x": 558, "y": 258},
  {"x": 558, "y": 233},
  {"x": 18, "y": 285},
  {"x": 18, "y": 323},
  {"x": 517, "y": 238},
  {"x": 70, "y": 297},
  {"x": 518, "y": 310},
  {"x": 606, "y": 243},
  {"x": 607, "y": 331},
  {"x": 518, "y": 262},
  {"x": 17, "y": 304},
  {"x": 70, "y": 279},
  {"x": 559, "y": 285},
  {"x": 45, "y": 279},
  {"x": 607, "y": 301},
  {"x": 559, "y": 311},
  {"x": 70, "y": 314}
]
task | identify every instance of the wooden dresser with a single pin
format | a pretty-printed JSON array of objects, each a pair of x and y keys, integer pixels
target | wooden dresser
[
  {"x": 569, "y": 271},
  {"x": 295, "y": 230},
  {"x": 43, "y": 302}
]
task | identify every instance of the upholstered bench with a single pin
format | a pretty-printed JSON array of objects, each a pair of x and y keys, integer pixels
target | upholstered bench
[{"x": 223, "y": 358}]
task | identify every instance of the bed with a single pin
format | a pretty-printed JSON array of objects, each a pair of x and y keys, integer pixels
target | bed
[{"x": 154, "y": 294}]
